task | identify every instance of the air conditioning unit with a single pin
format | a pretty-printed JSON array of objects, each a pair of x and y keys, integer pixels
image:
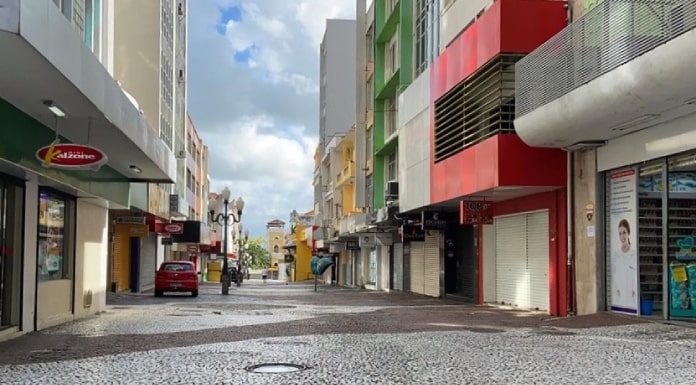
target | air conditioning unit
[
  {"x": 181, "y": 154},
  {"x": 392, "y": 190}
]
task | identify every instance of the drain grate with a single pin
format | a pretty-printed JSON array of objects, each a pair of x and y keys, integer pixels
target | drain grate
[{"x": 276, "y": 368}]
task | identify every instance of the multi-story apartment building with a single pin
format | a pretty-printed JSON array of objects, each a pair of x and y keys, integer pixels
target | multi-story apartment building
[
  {"x": 55, "y": 218},
  {"x": 466, "y": 187},
  {"x": 337, "y": 109},
  {"x": 616, "y": 91},
  {"x": 149, "y": 62}
]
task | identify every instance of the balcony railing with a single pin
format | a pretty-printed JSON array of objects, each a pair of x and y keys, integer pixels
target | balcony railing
[
  {"x": 610, "y": 35},
  {"x": 346, "y": 174},
  {"x": 350, "y": 223}
]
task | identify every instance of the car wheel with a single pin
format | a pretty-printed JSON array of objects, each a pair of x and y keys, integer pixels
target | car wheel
[
  {"x": 159, "y": 293},
  {"x": 194, "y": 293}
]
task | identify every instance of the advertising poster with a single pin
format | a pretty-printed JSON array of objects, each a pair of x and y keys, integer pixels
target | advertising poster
[{"x": 624, "y": 241}]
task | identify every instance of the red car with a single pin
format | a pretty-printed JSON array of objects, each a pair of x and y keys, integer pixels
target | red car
[{"x": 176, "y": 276}]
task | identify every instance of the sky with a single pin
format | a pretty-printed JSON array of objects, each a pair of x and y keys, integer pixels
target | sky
[{"x": 253, "y": 95}]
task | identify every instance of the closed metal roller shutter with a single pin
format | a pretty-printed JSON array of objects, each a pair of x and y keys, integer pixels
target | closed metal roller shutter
[
  {"x": 431, "y": 268},
  {"x": 417, "y": 263},
  {"x": 148, "y": 263},
  {"x": 512, "y": 278},
  {"x": 538, "y": 259},
  {"x": 398, "y": 273}
]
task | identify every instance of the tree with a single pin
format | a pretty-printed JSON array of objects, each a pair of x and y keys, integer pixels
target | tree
[{"x": 258, "y": 253}]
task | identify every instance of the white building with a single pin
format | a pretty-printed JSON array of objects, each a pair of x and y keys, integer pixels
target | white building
[{"x": 53, "y": 86}]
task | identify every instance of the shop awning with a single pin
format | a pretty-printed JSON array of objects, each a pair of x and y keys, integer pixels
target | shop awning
[{"x": 47, "y": 60}]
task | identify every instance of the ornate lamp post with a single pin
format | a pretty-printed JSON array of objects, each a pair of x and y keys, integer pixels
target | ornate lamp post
[{"x": 223, "y": 219}]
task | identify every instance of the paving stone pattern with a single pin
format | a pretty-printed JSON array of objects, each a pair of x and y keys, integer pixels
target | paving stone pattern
[{"x": 397, "y": 339}]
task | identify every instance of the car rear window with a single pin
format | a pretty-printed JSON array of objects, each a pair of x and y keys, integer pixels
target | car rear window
[{"x": 177, "y": 267}]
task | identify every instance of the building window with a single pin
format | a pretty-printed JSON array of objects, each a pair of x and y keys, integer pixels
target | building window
[
  {"x": 276, "y": 249},
  {"x": 390, "y": 108},
  {"x": 56, "y": 229},
  {"x": 392, "y": 56},
  {"x": 189, "y": 178},
  {"x": 391, "y": 167},
  {"x": 421, "y": 35}
]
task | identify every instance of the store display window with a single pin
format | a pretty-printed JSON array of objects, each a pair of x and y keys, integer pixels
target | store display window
[
  {"x": 681, "y": 242},
  {"x": 55, "y": 238},
  {"x": 664, "y": 238}
]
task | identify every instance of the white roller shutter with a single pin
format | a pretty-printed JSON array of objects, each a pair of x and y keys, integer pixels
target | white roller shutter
[
  {"x": 431, "y": 269},
  {"x": 148, "y": 262},
  {"x": 417, "y": 263},
  {"x": 538, "y": 259},
  {"x": 512, "y": 279}
]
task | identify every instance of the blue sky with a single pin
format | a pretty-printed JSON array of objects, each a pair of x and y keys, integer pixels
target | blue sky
[{"x": 253, "y": 95}]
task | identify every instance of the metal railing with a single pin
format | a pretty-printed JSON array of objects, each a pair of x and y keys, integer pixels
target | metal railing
[{"x": 608, "y": 36}]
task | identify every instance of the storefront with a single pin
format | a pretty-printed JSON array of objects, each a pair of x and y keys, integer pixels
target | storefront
[
  {"x": 11, "y": 231},
  {"x": 650, "y": 248},
  {"x": 55, "y": 256},
  {"x": 522, "y": 256}
]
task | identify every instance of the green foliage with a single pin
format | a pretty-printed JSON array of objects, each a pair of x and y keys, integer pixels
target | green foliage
[{"x": 259, "y": 255}]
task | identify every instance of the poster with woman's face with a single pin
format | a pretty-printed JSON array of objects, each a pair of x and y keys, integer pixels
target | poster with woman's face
[{"x": 623, "y": 248}]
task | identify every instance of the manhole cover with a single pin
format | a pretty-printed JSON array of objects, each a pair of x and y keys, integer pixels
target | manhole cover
[{"x": 275, "y": 368}]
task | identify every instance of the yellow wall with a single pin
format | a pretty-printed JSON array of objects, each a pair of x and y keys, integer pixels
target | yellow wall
[
  {"x": 303, "y": 254},
  {"x": 348, "y": 204},
  {"x": 121, "y": 253},
  {"x": 274, "y": 233}
]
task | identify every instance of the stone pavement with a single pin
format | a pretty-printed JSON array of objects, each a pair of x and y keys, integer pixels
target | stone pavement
[{"x": 345, "y": 336}]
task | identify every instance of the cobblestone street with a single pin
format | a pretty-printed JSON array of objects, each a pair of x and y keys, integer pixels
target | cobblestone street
[{"x": 344, "y": 336}]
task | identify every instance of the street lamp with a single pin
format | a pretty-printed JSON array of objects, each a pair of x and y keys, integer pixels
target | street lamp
[{"x": 223, "y": 219}]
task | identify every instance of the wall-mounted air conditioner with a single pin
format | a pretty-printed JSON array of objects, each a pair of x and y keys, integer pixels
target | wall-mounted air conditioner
[{"x": 392, "y": 190}]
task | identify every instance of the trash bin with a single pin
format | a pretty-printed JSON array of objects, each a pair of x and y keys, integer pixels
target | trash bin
[{"x": 646, "y": 307}]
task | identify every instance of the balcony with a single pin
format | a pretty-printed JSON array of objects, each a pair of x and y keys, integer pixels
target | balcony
[
  {"x": 349, "y": 224},
  {"x": 346, "y": 175},
  {"x": 329, "y": 193},
  {"x": 624, "y": 66}
]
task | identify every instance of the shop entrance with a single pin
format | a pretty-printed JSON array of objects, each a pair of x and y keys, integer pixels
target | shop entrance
[
  {"x": 460, "y": 262},
  {"x": 11, "y": 225},
  {"x": 651, "y": 250}
]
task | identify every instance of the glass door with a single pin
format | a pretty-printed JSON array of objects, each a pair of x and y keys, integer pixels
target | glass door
[
  {"x": 651, "y": 260},
  {"x": 11, "y": 226},
  {"x": 3, "y": 263},
  {"x": 681, "y": 236}
]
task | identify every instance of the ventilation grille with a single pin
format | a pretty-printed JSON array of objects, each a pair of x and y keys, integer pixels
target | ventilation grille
[{"x": 476, "y": 109}]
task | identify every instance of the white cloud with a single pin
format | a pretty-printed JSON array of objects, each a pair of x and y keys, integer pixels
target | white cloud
[
  {"x": 259, "y": 116},
  {"x": 312, "y": 15}
]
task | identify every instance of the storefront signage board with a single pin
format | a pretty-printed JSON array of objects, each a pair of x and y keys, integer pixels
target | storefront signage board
[
  {"x": 71, "y": 157},
  {"x": 412, "y": 233},
  {"x": 476, "y": 213},
  {"x": 623, "y": 248},
  {"x": 433, "y": 220}
]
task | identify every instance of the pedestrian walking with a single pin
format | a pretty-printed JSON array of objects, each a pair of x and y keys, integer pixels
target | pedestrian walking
[{"x": 264, "y": 274}]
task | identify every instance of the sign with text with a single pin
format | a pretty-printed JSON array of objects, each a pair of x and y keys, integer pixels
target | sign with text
[
  {"x": 130, "y": 220},
  {"x": 169, "y": 228},
  {"x": 352, "y": 245},
  {"x": 476, "y": 213},
  {"x": 433, "y": 220},
  {"x": 412, "y": 233},
  {"x": 71, "y": 157}
]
